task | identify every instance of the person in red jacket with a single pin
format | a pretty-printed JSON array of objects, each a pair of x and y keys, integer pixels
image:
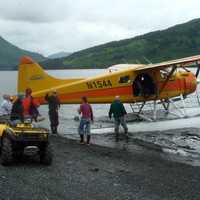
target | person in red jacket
[{"x": 30, "y": 105}]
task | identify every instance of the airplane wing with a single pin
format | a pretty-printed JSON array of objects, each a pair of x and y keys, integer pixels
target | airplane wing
[{"x": 183, "y": 62}]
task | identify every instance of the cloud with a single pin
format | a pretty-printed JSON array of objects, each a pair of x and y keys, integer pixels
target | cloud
[
  {"x": 35, "y": 11},
  {"x": 65, "y": 25}
]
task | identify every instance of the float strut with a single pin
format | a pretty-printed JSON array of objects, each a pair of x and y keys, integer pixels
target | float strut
[
  {"x": 154, "y": 110},
  {"x": 183, "y": 102},
  {"x": 142, "y": 106}
]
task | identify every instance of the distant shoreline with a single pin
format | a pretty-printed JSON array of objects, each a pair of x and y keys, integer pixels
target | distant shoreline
[{"x": 68, "y": 68}]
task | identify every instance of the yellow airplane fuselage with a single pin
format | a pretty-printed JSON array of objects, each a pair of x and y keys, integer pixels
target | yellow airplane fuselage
[{"x": 103, "y": 88}]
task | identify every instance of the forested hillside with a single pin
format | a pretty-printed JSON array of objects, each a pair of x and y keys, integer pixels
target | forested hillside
[{"x": 175, "y": 42}]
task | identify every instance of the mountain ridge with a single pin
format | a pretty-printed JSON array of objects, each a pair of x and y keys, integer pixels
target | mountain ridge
[
  {"x": 59, "y": 55},
  {"x": 174, "y": 42},
  {"x": 10, "y": 55}
]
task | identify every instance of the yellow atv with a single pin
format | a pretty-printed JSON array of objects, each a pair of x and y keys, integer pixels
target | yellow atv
[{"x": 23, "y": 138}]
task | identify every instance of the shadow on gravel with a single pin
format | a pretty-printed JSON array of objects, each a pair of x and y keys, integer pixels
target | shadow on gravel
[{"x": 31, "y": 162}]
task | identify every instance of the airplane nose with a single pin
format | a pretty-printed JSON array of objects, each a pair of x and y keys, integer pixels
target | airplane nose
[
  {"x": 192, "y": 82},
  {"x": 198, "y": 80}
]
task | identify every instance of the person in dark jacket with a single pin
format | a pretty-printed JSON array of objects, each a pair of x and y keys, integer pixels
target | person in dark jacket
[
  {"x": 118, "y": 111},
  {"x": 17, "y": 110},
  {"x": 54, "y": 105}
]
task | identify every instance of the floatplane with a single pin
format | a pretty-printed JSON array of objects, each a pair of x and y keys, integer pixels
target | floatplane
[{"x": 134, "y": 83}]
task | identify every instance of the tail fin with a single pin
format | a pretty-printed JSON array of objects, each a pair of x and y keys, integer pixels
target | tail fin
[{"x": 31, "y": 75}]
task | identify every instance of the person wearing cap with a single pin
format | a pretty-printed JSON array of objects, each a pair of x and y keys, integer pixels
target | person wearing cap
[
  {"x": 12, "y": 99},
  {"x": 118, "y": 111},
  {"x": 86, "y": 112},
  {"x": 30, "y": 105},
  {"x": 6, "y": 106},
  {"x": 54, "y": 105},
  {"x": 17, "y": 109}
]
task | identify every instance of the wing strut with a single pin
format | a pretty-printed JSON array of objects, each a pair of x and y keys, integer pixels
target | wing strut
[
  {"x": 167, "y": 79},
  {"x": 198, "y": 69}
]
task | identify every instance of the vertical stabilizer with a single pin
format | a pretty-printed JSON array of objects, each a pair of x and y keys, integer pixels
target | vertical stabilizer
[{"x": 31, "y": 75}]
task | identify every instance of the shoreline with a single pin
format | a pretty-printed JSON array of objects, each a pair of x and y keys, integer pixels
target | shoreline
[{"x": 176, "y": 145}]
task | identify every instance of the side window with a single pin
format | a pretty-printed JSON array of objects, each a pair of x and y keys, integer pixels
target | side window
[
  {"x": 164, "y": 73},
  {"x": 124, "y": 79}
]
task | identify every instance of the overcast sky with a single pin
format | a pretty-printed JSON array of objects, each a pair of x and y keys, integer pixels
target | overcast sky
[{"x": 48, "y": 27}]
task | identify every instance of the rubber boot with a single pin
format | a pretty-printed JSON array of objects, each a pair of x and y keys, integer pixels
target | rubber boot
[
  {"x": 126, "y": 134},
  {"x": 88, "y": 139},
  {"x": 55, "y": 130},
  {"x": 81, "y": 139},
  {"x": 116, "y": 135}
]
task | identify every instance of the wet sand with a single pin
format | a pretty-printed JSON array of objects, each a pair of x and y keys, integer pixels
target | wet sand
[
  {"x": 178, "y": 145},
  {"x": 94, "y": 173}
]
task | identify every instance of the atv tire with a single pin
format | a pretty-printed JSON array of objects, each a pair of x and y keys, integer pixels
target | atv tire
[
  {"x": 6, "y": 152},
  {"x": 46, "y": 155}
]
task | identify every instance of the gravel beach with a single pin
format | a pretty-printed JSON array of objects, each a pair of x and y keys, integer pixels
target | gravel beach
[{"x": 96, "y": 173}]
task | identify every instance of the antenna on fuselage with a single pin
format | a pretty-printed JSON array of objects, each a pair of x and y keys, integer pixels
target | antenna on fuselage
[
  {"x": 146, "y": 59},
  {"x": 137, "y": 61}
]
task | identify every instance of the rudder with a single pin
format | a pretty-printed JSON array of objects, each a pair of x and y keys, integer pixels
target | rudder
[{"x": 31, "y": 75}]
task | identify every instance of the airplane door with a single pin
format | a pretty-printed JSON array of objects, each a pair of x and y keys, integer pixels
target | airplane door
[{"x": 144, "y": 85}]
